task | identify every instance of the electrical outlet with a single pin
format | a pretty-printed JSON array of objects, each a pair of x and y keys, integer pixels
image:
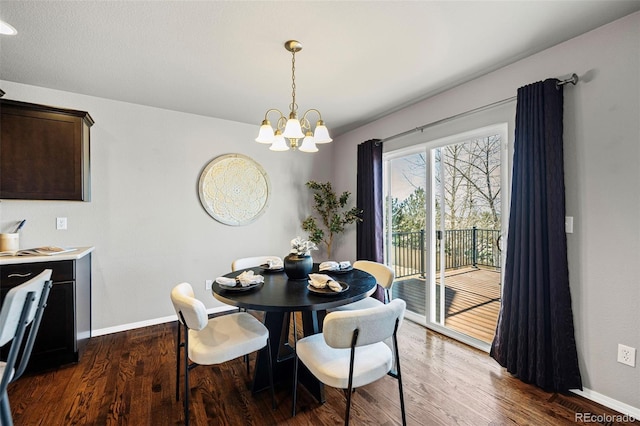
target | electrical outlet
[
  {"x": 208, "y": 284},
  {"x": 627, "y": 355},
  {"x": 61, "y": 223}
]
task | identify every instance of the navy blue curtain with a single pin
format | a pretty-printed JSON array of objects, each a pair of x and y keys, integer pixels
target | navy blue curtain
[
  {"x": 369, "y": 232},
  {"x": 535, "y": 334}
]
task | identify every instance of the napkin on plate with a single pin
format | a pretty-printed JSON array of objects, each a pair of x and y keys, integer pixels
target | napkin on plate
[
  {"x": 335, "y": 266},
  {"x": 274, "y": 263},
  {"x": 245, "y": 279},
  {"x": 322, "y": 281}
]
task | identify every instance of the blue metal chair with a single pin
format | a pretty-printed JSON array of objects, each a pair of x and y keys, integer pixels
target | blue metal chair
[{"x": 23, "y": 305}]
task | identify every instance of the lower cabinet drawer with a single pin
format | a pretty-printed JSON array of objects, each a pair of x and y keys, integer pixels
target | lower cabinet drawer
[{"x": 13, "y": 275}]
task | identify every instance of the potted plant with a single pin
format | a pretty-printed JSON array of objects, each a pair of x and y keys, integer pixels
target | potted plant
[
  {"x": 298, "y": 263},
  {"x": 332, "y": 213}
]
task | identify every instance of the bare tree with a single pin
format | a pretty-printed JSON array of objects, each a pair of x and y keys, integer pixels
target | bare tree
[
  {"x": 479, "y": 167},
  {"x": 469, "y": 175}
]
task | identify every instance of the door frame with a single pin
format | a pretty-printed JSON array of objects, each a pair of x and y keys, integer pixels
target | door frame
[{"x": 428, "y": 147}]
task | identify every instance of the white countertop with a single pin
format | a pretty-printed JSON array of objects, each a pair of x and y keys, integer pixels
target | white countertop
[{"x": 78, "y": 253}]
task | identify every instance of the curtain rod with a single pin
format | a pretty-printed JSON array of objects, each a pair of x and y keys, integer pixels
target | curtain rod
[
  {"x": 444, "y": 120},
  {"x": 573, "y": 80}
]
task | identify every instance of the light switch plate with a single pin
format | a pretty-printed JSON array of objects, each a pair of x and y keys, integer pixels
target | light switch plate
[
  {"x": 61, "y": 223},
  {"x": 568, "y": 224}
]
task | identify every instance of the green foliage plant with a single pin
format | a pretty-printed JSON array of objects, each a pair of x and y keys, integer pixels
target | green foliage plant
[{"x": 332, "y": 215}]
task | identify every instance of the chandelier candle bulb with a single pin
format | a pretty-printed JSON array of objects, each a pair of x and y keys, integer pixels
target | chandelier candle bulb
[
  {"x": 292, "y": 129},
  {"x": 321, "y": 135},
  {"x": 308, "y": 143},
  {"x": 266, "y": 134},
  {"x": 279, "y": 143}
]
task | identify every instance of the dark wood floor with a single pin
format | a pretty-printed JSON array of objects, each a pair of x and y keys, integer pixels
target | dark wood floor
[
  {"x": 128, "y": 378},
  {"x": 472, "y": 300}
]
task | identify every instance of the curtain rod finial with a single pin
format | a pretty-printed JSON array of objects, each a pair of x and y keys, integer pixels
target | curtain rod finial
[{"x": 573, "y": 80}]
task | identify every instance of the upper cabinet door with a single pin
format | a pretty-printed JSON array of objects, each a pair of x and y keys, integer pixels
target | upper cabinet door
[{"x": 44, "y": 152}]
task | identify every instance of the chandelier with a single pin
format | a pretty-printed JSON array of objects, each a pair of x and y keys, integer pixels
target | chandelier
[{"x": 293, "y": 129}]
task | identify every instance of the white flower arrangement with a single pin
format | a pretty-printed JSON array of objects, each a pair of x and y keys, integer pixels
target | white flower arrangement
[{"x": 302, "y": 247}]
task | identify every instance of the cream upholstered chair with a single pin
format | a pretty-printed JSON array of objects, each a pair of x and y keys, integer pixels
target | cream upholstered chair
[
  {"x": 23, "y": 305},
  {"x": 250, "y": 262},
  {"x": 213, "y": 341},
  {"x": 350, "y": 352},
  {"x": 384, "y": 276}
]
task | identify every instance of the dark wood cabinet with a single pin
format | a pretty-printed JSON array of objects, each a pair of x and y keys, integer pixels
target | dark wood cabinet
[
  {"x": 66, "y": 323},
  {"x": 44, "y": 152}
]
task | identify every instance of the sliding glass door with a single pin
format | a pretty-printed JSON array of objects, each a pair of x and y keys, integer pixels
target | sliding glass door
[
  {"x": 407, "y": 233},
  {"x": 445, "y": 223}
]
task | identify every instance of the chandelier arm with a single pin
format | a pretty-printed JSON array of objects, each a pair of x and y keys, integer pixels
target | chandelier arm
[
  {"x": 271, "y": 110},
  {"x": 304, "y": 117},
  {"x": 282, "y": 123},
  {"x": 305, "y": 124}
]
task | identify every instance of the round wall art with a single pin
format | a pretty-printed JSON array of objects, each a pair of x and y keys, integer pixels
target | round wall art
[{"x": 234, "y": 189}]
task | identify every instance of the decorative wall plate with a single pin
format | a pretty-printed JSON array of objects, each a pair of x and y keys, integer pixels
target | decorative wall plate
[{"x": 234, "y": 189}]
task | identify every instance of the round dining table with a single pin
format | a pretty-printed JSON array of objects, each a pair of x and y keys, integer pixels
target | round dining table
[{"x": 277, "y": 297}]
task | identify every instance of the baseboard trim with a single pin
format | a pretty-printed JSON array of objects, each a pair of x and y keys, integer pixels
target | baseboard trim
[
  {"x": 147, "y": 323},
  {"x": 608, "y": 402}
]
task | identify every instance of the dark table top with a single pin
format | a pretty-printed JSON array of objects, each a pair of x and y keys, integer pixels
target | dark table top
[{"x": 279, "y": 293}]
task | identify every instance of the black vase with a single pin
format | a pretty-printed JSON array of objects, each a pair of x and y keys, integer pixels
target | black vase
[{"x": 298, "y": 267}]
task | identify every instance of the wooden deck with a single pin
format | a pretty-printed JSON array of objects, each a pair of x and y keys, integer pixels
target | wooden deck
[{"x": 472, "y": 300}]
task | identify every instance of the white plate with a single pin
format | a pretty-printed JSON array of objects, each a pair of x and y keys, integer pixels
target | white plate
[
  {"x": 265, "y": 268},
  {"x": 326, "y": 291},
  {"x": 337, "y": 271},
  {"x": 239, "y": 287}
]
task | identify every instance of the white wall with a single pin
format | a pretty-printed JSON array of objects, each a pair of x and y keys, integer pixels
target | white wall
[
  {"x": 145, "y": 219},
  {"x": 602, "y": 176}
]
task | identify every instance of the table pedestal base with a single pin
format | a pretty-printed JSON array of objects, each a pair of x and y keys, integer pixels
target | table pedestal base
[{"x": 283, "y": 354}]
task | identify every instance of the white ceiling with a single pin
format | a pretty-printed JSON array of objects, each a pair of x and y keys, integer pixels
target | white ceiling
[{"x": 361, "y": 60}]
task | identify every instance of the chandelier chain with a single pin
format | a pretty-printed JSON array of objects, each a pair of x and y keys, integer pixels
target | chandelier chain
[{"x": 293, "y": 106}]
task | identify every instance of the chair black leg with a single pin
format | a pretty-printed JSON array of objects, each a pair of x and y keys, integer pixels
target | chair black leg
[
  {"x": 295, "y": 328},
  {"x": 186, "y": 378},
  {"x": 246, "y": 357},
  {"x": 350, "y": 388},
  {"x": 273, "y": 393},
  {"x": 295, "y": 385},
  {"x": 348, "y": 412},
  {"x": 295, "y": 366},
  {"x": 399, "y": 374},
  {"x": 404, "y": 416},
  {"x": 178, "y": 346}
]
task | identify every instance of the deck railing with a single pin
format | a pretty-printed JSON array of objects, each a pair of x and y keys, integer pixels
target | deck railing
[{"x": 463, "y": 247}]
